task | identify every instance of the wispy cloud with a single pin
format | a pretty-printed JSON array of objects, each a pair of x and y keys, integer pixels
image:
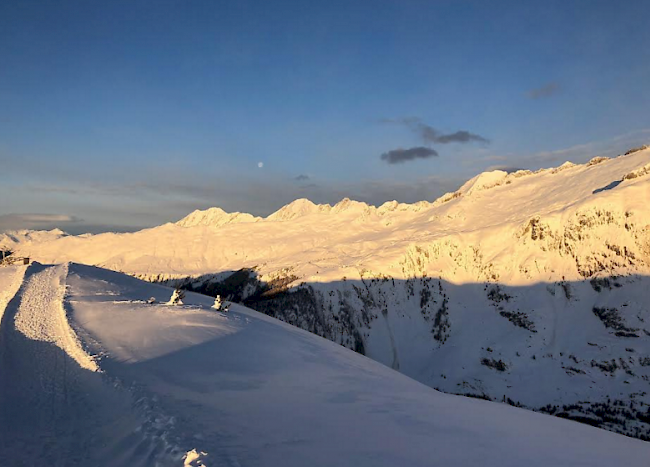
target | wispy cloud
[
  {"x": 35, "y": 221},
  {"x": 301, "y": 178},
  {"x": 609, "y": 147},
  {"x": 70, "y": 224},
  {"x": 398, "y": 156},
  {"x": 430, "y": 135},
  {"x": 578, "y": 153},
  {"x": 548, "y": 90}
]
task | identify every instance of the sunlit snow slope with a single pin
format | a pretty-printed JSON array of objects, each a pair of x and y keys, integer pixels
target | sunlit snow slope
[
  {"x": 517, "y": 228},
  {"x": 175, "y": 385}
]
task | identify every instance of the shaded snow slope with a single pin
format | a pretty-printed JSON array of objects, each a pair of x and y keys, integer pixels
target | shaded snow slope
[
  {"x": 54, "y": 409},
  {"x": 10, "y": 279},
  {"x": 242, "y": 389},
  {"x": 576, "y": 349}
]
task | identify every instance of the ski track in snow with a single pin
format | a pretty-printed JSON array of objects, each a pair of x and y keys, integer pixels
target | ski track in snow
[
  {"x": 41, "y": 316},
  {"x": 56, "y": 409}
]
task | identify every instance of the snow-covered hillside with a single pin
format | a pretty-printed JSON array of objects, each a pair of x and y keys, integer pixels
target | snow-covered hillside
[
  {"x": 10, "y": 240},
  {"x": 528, "y": 287},
  {"x": 215, "y": 217},
  {"x": 517, "y": 228},
  {"x": 95, "y": 372}
]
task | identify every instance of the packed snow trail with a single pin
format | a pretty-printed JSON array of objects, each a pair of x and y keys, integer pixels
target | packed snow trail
[{"x": 55, "y": 410}]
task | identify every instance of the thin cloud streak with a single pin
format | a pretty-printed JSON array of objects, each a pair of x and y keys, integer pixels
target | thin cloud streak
[
  {"x": 548, "y": 90},
  {"x": 430, "y": 135},
  {"x": 610, "y": 147},
  {"x": 17, "y": 221},
  {"x": 579, "y": 153}
]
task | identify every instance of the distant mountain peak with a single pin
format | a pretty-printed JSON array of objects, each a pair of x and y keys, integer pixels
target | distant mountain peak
[
  {"x": 215, "y": 217},
  {"x": 298, "y": 208},
  {"x": 347, "y": 204}
]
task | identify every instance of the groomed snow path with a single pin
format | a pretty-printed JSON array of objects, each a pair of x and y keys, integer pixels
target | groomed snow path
[{"x": 55, "y": 409}]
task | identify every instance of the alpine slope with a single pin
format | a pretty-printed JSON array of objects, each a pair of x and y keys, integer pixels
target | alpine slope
[
  {"x": 529, "y": 288},
  {"x": 97, "y": 369},
  {"x": 516, "y": 228}
]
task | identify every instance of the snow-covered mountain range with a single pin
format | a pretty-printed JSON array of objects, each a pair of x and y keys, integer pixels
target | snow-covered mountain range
[
  {"x": 527, "y": 287},
  {"x": 9, "y": 241}
]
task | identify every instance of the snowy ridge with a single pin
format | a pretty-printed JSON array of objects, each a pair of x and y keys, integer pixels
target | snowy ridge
[
  {"x": 235, "y": 389},
  {"x": 41, "y": 316},
  {"x": 298, "y": 208},
  {"x": 215, "y": 217},
  {"x": 10, "y": 240}
]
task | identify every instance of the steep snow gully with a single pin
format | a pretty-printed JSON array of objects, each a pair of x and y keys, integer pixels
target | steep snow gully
[{"x": 56, "y": 409}]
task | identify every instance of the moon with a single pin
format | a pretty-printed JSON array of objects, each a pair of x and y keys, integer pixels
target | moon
[{"x": 260, "y": 164}]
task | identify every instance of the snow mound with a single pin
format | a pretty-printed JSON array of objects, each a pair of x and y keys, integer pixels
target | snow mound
[{"x": 483, "y": 181}]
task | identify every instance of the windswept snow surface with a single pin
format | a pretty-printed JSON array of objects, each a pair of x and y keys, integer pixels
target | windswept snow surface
[{"x": 185, "y": 385}]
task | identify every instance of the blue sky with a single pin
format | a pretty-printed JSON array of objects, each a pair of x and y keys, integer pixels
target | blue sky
[{"x": 125, "y": 114}]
